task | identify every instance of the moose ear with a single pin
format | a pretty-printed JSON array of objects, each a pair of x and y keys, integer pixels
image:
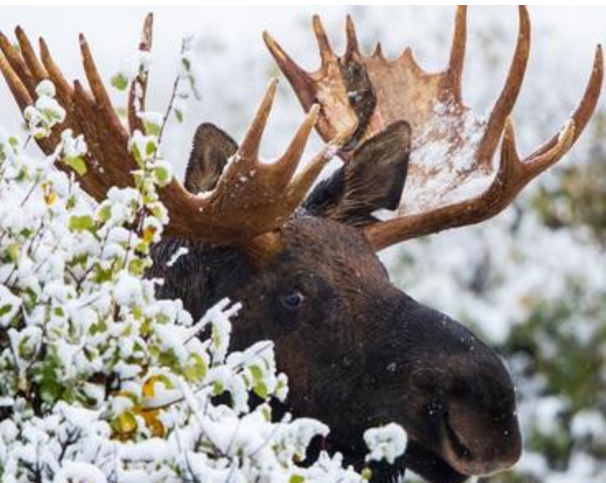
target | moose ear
[
  {"x": 211, "y": 149},
  {"x": 372, "y": 180}
]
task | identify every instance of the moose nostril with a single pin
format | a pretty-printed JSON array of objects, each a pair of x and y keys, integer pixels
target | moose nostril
[{"x": 457, "y": 442}]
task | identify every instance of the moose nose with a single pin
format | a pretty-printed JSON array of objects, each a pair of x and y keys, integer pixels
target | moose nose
[{"x": 481, "y": 445}]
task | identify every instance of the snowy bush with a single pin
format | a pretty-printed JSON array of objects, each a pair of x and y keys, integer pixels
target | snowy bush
[{"x": 100, "y": 380}]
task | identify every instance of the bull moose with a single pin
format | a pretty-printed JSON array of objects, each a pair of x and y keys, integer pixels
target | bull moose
[{"x": 359, "y": 352}]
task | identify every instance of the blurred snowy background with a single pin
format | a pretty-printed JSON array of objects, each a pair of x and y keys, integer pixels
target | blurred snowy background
[{"x": 532, "y": 281}]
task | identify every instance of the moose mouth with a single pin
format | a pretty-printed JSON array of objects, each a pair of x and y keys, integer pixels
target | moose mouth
[{"x": 431, "y": 466}]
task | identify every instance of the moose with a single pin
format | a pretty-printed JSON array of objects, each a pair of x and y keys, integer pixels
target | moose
[{"x": 302, "y": 259}]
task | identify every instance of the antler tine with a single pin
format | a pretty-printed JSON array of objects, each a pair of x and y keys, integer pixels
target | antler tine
[
  {"x": 96, "y": 83},
  {"x": 64, "y": 89},
  {"x": 250, "y": 146},
  {"x": 326, "y": 53},
  {"x": 378, "y": 52},
  {"x": 17, "y": 64},
  {"x": 36, "y": 69},
  {"x": 23, "y": 80},
  {"x": 39, "y": 73},
  {"x": 306, "y": 178},
  {"x": 15, "y": 84},
  {"x": 138, "y": 88},
  {"x": 353, "y": 47},
  {"x": 112, "y": 134},
  {"x": 94, "y": 181},
  {"x": 457, "y": 53},
  {"x": 553, "y": 150},
  {"x": 298, "y": 78},
  {"x": 288, "y": 162},
  {"x": 509, "y": 95},
  {"x": 587, "y": 106}
]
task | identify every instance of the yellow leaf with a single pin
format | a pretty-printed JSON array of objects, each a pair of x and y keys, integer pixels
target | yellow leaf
[
  {"x": 149, "y": 233},
  {"x": 153, "y": 422},
  {"x": 148, "y": 388},
  {"x": 125, "y": 424}
]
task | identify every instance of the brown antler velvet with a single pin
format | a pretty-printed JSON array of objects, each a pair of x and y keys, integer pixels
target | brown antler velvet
[{"x": 452, "y": 179}]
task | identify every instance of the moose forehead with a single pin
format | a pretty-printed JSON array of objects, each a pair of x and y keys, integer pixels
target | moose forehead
[{"x": 332, "y": 250}]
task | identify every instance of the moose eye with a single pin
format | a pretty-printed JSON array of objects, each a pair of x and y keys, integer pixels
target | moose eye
[{"x": 293, "y": 300}]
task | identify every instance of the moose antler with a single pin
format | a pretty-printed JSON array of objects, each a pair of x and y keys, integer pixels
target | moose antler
[
  {"x": 251, "y": 198},
  {"x": 453, "y": 149}
]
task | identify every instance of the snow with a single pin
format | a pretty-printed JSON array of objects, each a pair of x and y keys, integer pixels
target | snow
[
  {"x": 128, "y": 290},
  {"x": 9, "y": 306},
  {"x": 386, "y": 443},
  {"x": 156, "y": 119},
  {"x": 179, "y": 252},
  {"x": 80, "y": 472},
  {"x": 443, "y": 167},
  {"x": 589, "y": 423},
  {"x": 46, "y": 89}
]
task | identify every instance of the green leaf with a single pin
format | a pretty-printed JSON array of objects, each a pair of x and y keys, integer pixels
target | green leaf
[
  {"x": 151, "y": 128},
  {"x": 81, "y": 223},
  {"x": 296, "y": 479},
  {"x": 179, "y": 115},
  {"x": 50, "y": 388},
  {"x": 5, "y": 309},
  {"x": 120, "y": 81},
  {"x": 105, "y": 213},
  {"x": 260, "y": 390},
  {"x": 32, "y": 295},
  {"x": 137, "y": 267},
  {"x": 218, "y": 388},
  {"x": 162, "y": 175},
  {"x": 196, "y": 369},
  {"x": 150, "y": 148},
  {"x": 24, "y": 349},
  {"x": 71, "y": 202},
  {"x": 367, "y": 474},
  {"x": 77, "y": 164},
  {"x": 137, "y": 155},
  {"x": 101, "y": 274},
  {"x": 256, "y": 372},
  {"x": 13, "y": 251}
]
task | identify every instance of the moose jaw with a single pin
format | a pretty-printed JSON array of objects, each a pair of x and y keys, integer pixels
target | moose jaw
[{"x": 410, "y": 145}]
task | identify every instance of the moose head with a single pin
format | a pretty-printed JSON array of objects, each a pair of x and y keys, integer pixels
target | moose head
[{"x": 359, "y": 352}]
